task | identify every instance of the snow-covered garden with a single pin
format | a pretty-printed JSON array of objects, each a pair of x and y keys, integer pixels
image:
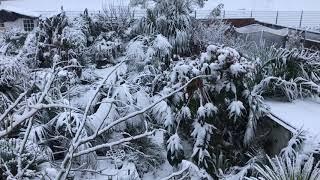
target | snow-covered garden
[{"x": 107, "y": 96}]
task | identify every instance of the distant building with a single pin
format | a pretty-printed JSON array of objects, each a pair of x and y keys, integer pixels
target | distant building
[{"x": 12, "y": 18}]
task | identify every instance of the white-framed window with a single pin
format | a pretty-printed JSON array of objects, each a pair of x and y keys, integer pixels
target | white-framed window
[
  {"x": 28, "y": 24},
  {"x": 2, "y": 26}
]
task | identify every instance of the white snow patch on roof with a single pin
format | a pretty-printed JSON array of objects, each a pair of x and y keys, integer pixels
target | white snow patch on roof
[
  {"x": 19, "y": 11},
  {"x": 259, "y": 28},
  {"x": 301, "y": 114},
  {"x": 68, "y": 5}
]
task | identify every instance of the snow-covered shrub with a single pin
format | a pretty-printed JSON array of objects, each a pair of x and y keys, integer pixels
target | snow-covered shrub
[
  {"x": 31, "y": 157},
  {"x": 13, "y": 41},
  {"x": 293, "y": 168},
  {"x": 114, "y": 18},
  {"x": 50, "y": 39},
  {"x": 290, "y": 73},
  {"x": 74, "y": 38},
  {"x": 295, "y": 40},
  {"x": 106, "y": 48},
  {"x": 154, "y": 50},
  {"x": 175, "y": 152},
  {"x": 215, "y": 31},
  {"x": 171, "y": 19},
  {"x": 2, "y": 42},
  {"x": 28, "y": 53},
  {"x": 12, "y": 72},
  {"x": 146, "y": 154},
  {"x": 222, "y": 108}
]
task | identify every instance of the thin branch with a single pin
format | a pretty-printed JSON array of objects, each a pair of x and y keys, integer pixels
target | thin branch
[{"x": 6, "y": 112}]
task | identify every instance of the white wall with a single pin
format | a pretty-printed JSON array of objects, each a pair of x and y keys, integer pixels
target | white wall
[{"x": 18, "y": 24}]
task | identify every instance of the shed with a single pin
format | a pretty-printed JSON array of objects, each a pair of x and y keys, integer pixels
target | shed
[
  {"x": 14, "y": 18},
  {"x": 258, "y": 33},
  {"x": 289, "y": 118}
]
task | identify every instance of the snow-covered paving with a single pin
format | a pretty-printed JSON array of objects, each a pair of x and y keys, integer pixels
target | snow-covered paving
[{"x": 301, "y": 114}]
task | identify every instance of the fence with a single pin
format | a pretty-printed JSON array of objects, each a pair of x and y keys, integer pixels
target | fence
[
  {"x": 296, "y": 19},
  {"x": 301, "y": 19}
]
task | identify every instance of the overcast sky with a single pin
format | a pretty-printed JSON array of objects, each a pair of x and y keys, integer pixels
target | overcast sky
[{"x": 79, "y": 5}]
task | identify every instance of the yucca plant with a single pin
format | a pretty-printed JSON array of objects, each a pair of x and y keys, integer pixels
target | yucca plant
[
  {"x": 295, "y": 162},
  {"x": 293, "y": 73},
  {"x": 295, "y": 168}
]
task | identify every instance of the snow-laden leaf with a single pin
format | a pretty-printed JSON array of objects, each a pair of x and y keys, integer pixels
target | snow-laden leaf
[
  {"x": 236, "y": 109},
  {"x": 163, "y": 115},
  {"x": 250, "y": 131},
  {"x": 162, "y": 46},
  {"x": 174, "y": 143},
  {"x": 288, "y": 168},
  {"x": 38, "y": 134},
  {"x": 202, "y": 111},
  {"x": 237, "y": 69},
  {"x": 175, "y": 152},
  {"x": 202, "y": 133},
  {"x": 185, "y": 112},
  {"x": 143, "y": 99},
  {"x": 211, "y": 109},
  {"x": 123, "y": 94},
  {"x": 135, "y": 51}
]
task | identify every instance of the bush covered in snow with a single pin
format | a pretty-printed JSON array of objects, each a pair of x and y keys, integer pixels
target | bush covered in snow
[
  {"x": 92, "y": 91},
  {"x": 171, "y": 19},
  {"x": 215, "y": 107}
]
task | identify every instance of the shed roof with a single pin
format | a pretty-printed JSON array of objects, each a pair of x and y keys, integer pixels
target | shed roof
[
  {"x": 254, "y": 28},
  {"x": 299, "y": 114}
]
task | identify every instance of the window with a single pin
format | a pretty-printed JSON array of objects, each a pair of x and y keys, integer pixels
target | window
[
  {"x": 2, "y": 26},
  {"x": 28, "y": 24}
]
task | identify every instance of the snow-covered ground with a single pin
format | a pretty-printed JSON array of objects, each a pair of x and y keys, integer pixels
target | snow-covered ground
[{"x": 301, "y": 114}]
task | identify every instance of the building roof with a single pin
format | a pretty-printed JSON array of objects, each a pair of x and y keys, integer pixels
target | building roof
[
  {"x": 12, "y": 13},
  {"x": 254, "y": 28},
  {"x": 18, "y": 11},
  {"x": 297, "y": 115}
]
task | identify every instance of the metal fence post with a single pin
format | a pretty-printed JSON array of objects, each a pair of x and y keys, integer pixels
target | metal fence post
[
  {"x": 277, "y": 17},
  {"x": 251, "y": 13},
  {"x": 195, "y": 14},
  {"x": 301, "y": 17}
]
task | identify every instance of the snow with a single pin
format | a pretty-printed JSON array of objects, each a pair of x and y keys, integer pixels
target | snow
[
  {"x": 236, "y": 108},
  {"x": 258, "y": 28},
  {"x": 301, "y": 114},
  {"x": 68, "y": 5},
  {"x": 18, "y": 10},
  {"x": 236, "y": 69},
  {"x": 107, "y": 168}
]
